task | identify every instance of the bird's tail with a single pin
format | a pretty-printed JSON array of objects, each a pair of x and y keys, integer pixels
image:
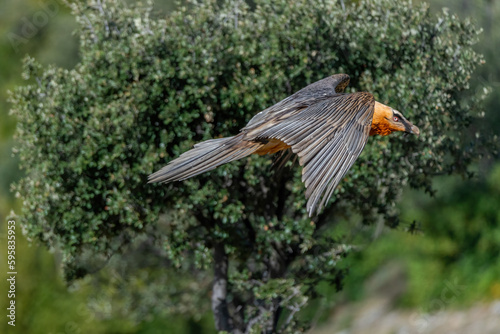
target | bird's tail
[{"x": 203, "y": 157}]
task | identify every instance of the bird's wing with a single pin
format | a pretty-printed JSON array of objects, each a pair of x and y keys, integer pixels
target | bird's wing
[
  {"x": 309, "y": 95},
  {"x": 328, "y": 136}
]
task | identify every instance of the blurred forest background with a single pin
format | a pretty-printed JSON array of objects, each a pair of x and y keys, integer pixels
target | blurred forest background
[{"x": 454, "y": 228}]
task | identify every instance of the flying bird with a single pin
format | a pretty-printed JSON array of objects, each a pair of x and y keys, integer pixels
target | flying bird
[{"x": 324, "y": 126}]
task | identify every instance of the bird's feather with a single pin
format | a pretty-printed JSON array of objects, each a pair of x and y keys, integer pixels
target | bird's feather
[
  {"x": 328, "y": 136},
  {"x": 203, "y": 157},
  {"x": 324, "y": 127}
]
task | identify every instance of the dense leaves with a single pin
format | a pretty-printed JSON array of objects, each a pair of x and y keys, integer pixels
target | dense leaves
[{"x": 147, "y": 89}]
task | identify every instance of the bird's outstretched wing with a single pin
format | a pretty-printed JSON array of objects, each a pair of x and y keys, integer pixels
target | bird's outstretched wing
[
  {"x": 325, "y": 128},
  {"x": 327, "y": 134},
  {"x": 309, "y": 95}
]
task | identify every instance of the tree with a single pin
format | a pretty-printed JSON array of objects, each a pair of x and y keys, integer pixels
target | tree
[{"x": 147, "y": 89}]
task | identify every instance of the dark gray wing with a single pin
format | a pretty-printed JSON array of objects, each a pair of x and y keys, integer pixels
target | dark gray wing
[
  {"x": 309, "y": 95},
  {"x": 328, "y": 136}
]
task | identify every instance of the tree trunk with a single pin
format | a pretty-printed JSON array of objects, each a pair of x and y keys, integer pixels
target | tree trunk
[{"x": 219, "y": 290}]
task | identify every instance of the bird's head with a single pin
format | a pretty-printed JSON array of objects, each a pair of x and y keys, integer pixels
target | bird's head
[{"x": 387, "y": 120}]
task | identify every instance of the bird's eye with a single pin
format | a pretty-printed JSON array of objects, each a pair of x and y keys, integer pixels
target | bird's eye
[{"x": 396, "y": 119}]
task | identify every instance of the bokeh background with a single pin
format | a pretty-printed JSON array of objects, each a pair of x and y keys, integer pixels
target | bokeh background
[{"x": 454, "y": 227}]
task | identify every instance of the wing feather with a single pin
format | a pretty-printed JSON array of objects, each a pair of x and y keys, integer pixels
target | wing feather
[
  {"x": 328, "y": 135},
  {"x": 325, "y": 128},
  {"x": 295, "y": 103}
]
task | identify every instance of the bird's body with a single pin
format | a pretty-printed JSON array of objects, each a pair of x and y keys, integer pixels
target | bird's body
[{"x": 326, "y": 128}]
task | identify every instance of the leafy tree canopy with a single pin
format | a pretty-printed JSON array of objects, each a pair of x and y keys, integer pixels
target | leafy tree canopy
[{"x": 147, "y": 89}]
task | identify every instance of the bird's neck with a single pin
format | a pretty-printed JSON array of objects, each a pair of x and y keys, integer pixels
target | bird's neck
[{"x": 380, "y": 123}]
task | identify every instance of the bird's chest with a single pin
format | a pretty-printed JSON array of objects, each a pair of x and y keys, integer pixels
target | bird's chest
[{"x": 380, "y": 129}]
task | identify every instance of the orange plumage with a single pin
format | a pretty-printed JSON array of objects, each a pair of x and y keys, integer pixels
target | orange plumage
[
  {"x": 273, "y": 146},
  {"x": 381, "y": 125}
]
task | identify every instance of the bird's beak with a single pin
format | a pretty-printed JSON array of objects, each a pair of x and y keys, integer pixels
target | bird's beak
[{"x": 414, "y": 130}]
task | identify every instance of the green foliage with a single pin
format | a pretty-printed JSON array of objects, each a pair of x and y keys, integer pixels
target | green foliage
[
  {"x": 484, "y": 14},
  {"x": 459, "y": 248},
  {"x": 147, "y": 89},
  {"x": 43, "y": 302}
]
